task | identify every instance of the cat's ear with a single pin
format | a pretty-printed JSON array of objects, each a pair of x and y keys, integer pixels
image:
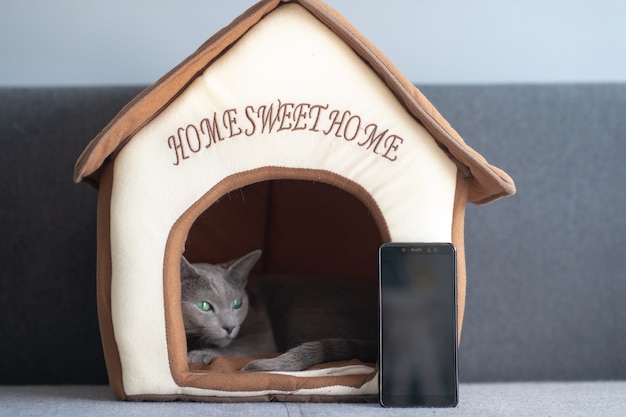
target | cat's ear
[
  {"x": 186, "y": 269},
  {"x": 238, "y": 271}
]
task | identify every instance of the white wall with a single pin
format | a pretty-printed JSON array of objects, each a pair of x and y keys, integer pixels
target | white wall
[{"x": 88, "y": 42}]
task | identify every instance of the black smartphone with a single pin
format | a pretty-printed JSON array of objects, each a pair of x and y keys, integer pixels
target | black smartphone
[{"x": 418, "y": 325}]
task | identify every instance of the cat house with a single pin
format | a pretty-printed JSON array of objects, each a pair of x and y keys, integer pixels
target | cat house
[{"x": 286, "y": 131}]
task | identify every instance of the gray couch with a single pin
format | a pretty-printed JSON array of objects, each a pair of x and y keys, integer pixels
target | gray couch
[{"x": 544, "y": 326}]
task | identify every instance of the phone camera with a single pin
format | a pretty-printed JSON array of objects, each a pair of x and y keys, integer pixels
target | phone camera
[{"x": 403, "y": 250}]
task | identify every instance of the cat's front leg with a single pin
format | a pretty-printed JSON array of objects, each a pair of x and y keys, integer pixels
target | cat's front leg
[{"x": 204, "y": 356}]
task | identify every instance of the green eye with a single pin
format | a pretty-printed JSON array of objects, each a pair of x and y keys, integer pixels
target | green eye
[
  {"x": 236, "y": 304},
  {"x": 204, "y": 305}
]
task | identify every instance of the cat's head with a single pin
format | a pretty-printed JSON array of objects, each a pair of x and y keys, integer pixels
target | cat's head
[{"x": 214, "y": 300}]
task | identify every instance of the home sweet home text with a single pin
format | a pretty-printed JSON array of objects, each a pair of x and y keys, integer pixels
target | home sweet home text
[{"x": 281, "y": 116}]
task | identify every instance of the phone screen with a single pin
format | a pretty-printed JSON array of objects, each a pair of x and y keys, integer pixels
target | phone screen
[{"x": 418, "y": 325}]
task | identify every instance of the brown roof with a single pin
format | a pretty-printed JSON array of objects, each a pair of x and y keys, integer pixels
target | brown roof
[{"x": 487, "y": 182}]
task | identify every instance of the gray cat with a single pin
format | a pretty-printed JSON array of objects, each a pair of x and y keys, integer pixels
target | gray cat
[{"x": 312, "y": 320}]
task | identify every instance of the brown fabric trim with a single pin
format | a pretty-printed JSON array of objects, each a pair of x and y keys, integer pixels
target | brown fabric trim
[
  {"x": 487, "y": 182},
  {"x": 103, "y": 284},
  {"x": 458, "y": 239},
  {"x": 260, "y": 398},
  {"x": 175, "y": 332},
  {"x": 154, "y": 99}
]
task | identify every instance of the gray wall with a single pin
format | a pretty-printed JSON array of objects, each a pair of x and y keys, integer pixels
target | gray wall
[{"x": 72, "y": 42}]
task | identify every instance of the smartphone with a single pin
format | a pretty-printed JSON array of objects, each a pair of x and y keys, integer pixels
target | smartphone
[{"x": 418, "y": 325}]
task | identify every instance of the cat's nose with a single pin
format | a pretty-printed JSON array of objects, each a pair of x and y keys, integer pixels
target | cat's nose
[{"x": 228, "y": 329}]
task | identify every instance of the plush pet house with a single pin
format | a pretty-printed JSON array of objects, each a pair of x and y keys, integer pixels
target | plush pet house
[{"x": 286, "y": 131}]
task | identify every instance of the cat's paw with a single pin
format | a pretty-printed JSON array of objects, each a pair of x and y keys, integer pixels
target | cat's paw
[{"x": 200, "y": 356}]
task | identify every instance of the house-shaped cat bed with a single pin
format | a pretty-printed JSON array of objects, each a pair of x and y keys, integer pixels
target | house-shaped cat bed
[{"x": 287, "y": 131}]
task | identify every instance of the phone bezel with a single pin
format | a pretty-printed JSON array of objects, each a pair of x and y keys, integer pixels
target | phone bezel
[{"x": 427, "y": 401}]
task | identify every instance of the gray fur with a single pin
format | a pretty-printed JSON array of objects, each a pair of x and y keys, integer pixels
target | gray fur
[
  {"x": 312, "y": 321},
  {"x": 217, "y": 332},
  {"x": 312, "y": 353}
]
